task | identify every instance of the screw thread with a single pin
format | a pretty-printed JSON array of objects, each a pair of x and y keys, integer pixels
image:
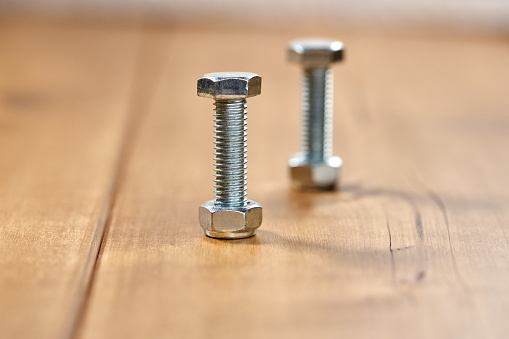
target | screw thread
[
  {"x": 230, "y": 152},
  {"x": 316, "y": 108}
]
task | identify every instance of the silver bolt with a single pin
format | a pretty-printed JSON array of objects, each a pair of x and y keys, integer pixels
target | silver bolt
[
  {"x": 314, "y": 167},
  {"x": 230, "y": 215}
]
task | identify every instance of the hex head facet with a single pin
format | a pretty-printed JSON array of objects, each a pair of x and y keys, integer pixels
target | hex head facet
[
  {"x": 230, "y": 222},
  {"x": 314, "y": 176},
  {"x": 315, "y": 52},
  {"x": 229, "y": 85}
]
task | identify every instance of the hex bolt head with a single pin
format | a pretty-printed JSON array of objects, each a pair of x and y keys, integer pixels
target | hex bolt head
[
  {"x": 230, "y": 215},
  {"x": 229, "y": 85},
  {"x": 315, "y": 52}
]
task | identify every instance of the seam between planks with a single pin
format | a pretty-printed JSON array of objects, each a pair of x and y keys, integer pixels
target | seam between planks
[{"x": 132, "y": 126}]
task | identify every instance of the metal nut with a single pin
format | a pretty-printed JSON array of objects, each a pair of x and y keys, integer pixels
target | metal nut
[
  {"x": 315, "y": 52},
  {"x": 321, "y": 176},
  {"x": 230, "y": 222},
  {"x": 229, "y": 85}
]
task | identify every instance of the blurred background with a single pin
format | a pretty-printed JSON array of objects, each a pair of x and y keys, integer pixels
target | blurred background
[
  {"x": 106, "y": 154},
  {"x": 466, "y": 15}
]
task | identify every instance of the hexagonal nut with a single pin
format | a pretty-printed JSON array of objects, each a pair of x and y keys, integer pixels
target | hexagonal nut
[
  {"x": 315, "y": 52},
  {"x": 229, "y": 85},
  {"x": 230, "y": 222},
  {"x": 314, "y": 176}
]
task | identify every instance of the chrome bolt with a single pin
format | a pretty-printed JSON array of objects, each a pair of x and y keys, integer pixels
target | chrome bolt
[
  {"x": 315, "y": 167},
  {"x": 230, "y": 215}
]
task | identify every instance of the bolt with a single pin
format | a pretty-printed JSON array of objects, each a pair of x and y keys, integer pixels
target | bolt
[
  {"x": 230, "y": 215},
  {"x": 315, "y": 167}
]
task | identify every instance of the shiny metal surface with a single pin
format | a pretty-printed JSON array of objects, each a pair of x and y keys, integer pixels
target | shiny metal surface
[
  {"x": 315, "y": 167},
  {"x": 230, "y": 222},
  {"x": 230, "y": 152},
  {"x": 230, "y": 215},
  {"x": 229, "y": 85}
]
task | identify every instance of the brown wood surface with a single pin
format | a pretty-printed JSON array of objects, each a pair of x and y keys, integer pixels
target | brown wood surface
[
  {"x": 63, "y": 98},
  {"x": 414, "y": 246}
]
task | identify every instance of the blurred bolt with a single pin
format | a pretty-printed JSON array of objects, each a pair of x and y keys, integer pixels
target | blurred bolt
[{"x": 315, "y": 167}]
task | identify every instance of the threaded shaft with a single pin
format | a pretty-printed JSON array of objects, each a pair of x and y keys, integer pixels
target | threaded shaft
[
  {"x": 316, "y": 108},
  {"x": 230, "y": 152}
]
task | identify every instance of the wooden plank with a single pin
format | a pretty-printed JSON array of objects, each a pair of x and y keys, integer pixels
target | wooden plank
[
  {"x": 64, "y": 94},
  {"x": 459, "y": 126},
  {"x": 415, "y": 245}
]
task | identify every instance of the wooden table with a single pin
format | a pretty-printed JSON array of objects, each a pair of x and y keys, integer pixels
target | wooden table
[{"x": 106, "y": 154}]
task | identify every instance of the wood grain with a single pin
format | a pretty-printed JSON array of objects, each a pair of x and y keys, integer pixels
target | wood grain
[
  {"x": 106, "y": 154},
  {"x": 64, "y": 93},
  {"x": 415, "y": 244}
]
